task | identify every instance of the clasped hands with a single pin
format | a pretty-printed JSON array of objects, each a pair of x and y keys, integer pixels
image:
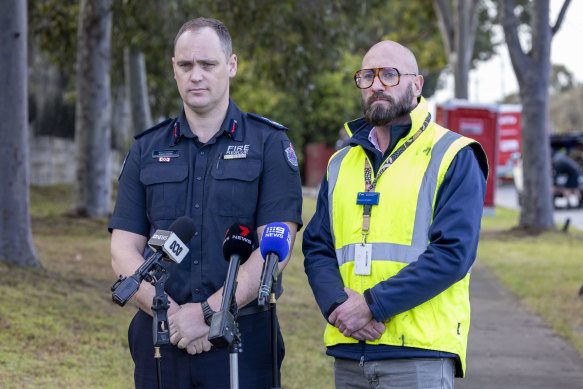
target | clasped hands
[
  {"x": 188, "y": 329},
  {"x": 354, "y": 319}
]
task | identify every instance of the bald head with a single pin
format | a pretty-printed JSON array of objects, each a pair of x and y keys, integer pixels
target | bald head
[
  {"x": 390, "y": 102},
  {"x": 390, "y": 54}
]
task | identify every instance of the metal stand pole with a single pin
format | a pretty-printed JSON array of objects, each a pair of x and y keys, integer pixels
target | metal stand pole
[
  {"x": 275, "y": 377},
  {"x": 160, "y": 329},
  {"x": 234, "y": 350}
]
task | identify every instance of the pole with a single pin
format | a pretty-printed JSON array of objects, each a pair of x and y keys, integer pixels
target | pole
[
  {"x": 160, "y": 328},
  {"x": 275, "y": 378}
]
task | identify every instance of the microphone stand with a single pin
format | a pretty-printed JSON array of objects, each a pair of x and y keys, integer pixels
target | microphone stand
[
  {"x": 275, "y": 377},
  {"x": 160, "y": 330},
  {"x": 224, "y": 329},
  {"x": 235, "y": 348}
]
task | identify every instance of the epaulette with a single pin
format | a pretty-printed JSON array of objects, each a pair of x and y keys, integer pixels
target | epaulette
[
  {"x": 267, "y": 121},
  {"x": 162, "y": 124}
]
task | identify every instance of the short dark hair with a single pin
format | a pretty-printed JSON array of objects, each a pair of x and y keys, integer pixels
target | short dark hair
[{"x": 217, "y": 25}]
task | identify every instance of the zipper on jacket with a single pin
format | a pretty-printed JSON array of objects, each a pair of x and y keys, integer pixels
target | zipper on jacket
[{"x": 363, "y": 345}]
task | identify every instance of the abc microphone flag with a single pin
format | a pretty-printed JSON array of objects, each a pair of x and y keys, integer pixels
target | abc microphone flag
[{"x": 172, "y": 242}]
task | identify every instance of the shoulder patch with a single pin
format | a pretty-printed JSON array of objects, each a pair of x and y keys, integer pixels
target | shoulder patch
[
  {"x": 157, "y": 126},
  {"x": 290, "y": 154},
  {"x": 267, "y": 121}
]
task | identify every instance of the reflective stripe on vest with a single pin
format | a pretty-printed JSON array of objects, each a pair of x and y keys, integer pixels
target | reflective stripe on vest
[{"x": 388, "y": 251}]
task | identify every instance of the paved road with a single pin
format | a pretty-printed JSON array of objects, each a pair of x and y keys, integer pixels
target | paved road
[
  {"x": 505, "y": 196},
  {"x": 508, "y": 346}
]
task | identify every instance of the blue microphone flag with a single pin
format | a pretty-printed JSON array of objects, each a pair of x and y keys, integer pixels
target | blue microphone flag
[{"x": 276, "y": 239}]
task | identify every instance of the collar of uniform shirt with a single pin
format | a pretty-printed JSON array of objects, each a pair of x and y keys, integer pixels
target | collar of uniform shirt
[{"x": 233, "y": 117}]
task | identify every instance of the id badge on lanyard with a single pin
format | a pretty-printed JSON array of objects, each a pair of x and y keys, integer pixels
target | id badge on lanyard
[
  {"x": 363, "y": 251},
  {"x": 363, "y": 259}
]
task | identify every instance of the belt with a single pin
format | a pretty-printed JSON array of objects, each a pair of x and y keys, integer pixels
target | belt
[{"x": 253, "y": 308}]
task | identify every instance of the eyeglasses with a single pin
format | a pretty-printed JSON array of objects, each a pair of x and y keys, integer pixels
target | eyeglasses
[{"x": 364, "y": 78}]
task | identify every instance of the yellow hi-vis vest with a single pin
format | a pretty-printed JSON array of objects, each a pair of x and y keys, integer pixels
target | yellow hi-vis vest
[{"x": 399, "y": 234}]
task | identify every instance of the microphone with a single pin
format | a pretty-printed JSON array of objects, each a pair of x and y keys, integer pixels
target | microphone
[
  {"x": 168, "y": 246},
  {"x": 237, "y": 247},
  {"x": 274, "y": 246}
]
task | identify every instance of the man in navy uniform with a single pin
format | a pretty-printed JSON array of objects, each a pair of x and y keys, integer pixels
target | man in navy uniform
[{"x": 218, "y": 166}]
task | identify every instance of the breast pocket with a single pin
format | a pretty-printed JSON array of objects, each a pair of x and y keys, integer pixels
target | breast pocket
[
  {"x": 235, "y": 187},
  {"x": 166, "y": 189}
]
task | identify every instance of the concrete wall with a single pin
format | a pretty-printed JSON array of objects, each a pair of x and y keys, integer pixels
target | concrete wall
[{"x": 52, "y": 161}]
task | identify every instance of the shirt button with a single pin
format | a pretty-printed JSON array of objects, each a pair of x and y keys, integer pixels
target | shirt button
[
  {"x": 198, "y": 178},
  {"x": 196, "y": 262},
  {"x": 196, "y": 205},
  {"x": 197, "y": 291},
  {"x": 196, "y": 233},
  {"x": 202, "y": 153}
]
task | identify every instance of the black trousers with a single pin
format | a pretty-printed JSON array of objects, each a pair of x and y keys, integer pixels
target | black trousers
[{"x": 210, "y": 369}]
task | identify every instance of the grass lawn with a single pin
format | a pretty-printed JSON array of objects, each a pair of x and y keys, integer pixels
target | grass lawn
[{"x": 59, "y": 328}]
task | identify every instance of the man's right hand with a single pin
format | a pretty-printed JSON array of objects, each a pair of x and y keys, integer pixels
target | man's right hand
[
  {"x": 199, "y": 345},
  {"x": 187, "y": 325}
]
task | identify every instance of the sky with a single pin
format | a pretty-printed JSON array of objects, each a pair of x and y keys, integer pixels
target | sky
[{"x": 492, "y": 80}]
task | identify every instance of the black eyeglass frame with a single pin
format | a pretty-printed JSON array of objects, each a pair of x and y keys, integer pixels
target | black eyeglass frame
[{"x": 376, "y": 72}]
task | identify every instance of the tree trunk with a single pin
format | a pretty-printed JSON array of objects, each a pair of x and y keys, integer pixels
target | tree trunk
[
  {"x": 15, "y": 230},
  {"x": 138, "y": 89},
  {"x": 92, "y": 188},
  {"x": 121, "y": 119},
  {"x": 537, "y": 206},
  {"x": 533, "y": 73},
  {"x": 458, "y": 31}
]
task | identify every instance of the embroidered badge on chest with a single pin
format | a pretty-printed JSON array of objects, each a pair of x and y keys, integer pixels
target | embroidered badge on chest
[{"x": 237, "y": 152}]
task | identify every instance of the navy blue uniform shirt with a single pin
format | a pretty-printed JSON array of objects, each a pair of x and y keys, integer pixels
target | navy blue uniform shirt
[
  {"x": 453, "y": 235},
  {"x": 247, "y": 173}
]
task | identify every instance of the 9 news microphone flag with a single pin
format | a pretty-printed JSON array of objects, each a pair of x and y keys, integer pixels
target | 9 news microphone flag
[{"x": 274, "y": 246}]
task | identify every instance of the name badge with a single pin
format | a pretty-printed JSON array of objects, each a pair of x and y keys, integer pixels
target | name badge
[
  {"x": 367, "y": 198},
  {"x": 362, "y": 259},
  {"x": 165, "y": 154}
]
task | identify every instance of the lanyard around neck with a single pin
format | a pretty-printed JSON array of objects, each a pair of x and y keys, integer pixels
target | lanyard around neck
[{"x": 370, "y": 184}]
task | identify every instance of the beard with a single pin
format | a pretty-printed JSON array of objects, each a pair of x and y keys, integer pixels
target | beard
[{"x": 379, "y": 115}]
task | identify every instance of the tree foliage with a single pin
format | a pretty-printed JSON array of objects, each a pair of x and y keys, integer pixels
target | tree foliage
[
  {"x": 297, "y": 58},
  {"x": 565, "y": 110}
]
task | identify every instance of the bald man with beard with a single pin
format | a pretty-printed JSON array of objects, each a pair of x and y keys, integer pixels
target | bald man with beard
[{"x": 389, "y": 250}]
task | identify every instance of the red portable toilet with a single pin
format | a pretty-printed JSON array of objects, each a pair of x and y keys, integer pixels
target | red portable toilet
[
  {"x": 316, "y": 161},
  {"x": 479, "y": 122},
  {"x": 509, "y": 143}
]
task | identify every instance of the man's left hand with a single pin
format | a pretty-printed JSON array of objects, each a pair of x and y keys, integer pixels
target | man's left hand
[{"x": 351, "y": 315}]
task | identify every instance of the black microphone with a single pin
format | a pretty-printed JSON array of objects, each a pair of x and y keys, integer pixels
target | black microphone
[
  {"x": 168, "y": 246},
  {"x": 237, "y": 247},
  {"x": 274, "y": 246}
]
